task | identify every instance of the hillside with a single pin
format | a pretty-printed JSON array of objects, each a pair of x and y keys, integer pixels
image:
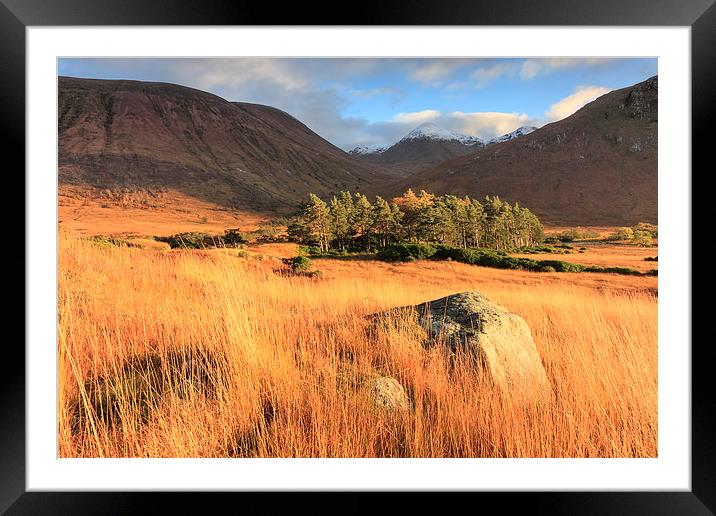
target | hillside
[
  {"x": 133, "y": 136},
  {"x": 598, "y": 166}
]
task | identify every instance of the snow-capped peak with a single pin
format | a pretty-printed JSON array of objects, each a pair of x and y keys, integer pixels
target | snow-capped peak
[
  {"x": 433, "y": 132},
  {"x": 521, "y": 131},
  {"x": 376, "y": 148}
]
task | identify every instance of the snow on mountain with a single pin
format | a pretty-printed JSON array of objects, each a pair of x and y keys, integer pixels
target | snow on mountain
[
  {"x": 431, "y": 131},
  {"x": 514, "y": 134},
  {"x": 369, "y": 149}
]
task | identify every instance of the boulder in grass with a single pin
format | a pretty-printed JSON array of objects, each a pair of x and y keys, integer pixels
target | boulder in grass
[{"x": 499, "y": 341}]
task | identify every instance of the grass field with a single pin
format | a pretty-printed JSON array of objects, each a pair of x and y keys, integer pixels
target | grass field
[
  {"x": 88, "y": 213},
  {"x": 273, "y": 349}
]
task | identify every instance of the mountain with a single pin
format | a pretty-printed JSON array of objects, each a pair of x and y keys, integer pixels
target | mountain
[
  {"x": 595, "y": 167},
  {"x": 424, "y": 146},
  {"x": 520, "y": 131},
  {"x": 431, "y": 132},
  {"x": 119, "y": 135},
  {"x": 368, "y": 149}
]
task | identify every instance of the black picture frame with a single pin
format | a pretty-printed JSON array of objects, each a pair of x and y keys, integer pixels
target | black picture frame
[{"x": 17, "y": 15}]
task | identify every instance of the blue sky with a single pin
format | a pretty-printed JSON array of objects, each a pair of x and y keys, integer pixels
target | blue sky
[{"x": 364, "y": 101}]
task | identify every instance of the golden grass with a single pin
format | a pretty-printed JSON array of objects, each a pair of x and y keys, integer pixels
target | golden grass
[
  {"x": 282, "y": 391},
  {"x": 86, "y": 213}
]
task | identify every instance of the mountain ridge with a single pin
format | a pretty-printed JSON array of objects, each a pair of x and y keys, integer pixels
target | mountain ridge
[{"x": 119, "y": 134}]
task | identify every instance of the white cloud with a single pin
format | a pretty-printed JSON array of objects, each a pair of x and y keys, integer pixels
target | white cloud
[
  {"x": 486, "y": 74},
  {"x": 210, "y": 74},
  {"x": 434, "y": 72},
  {"x": 416, "y": 117},
  {"x": 582, "y": 95},
  {"x": 531, "y": 68},
  {"x": 431, "y": 73},
  {"x": 486, "y": 124}
]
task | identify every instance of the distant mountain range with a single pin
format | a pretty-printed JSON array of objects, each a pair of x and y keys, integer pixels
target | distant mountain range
[
  {"x": 520, "y": 131},
  {"x": 422, "y": 147},
  {"x": 598, "y": 166},
  {"x": 427, "y": 145}
]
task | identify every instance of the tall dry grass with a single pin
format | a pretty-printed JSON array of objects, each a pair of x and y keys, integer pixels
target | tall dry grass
[{"x": 284, "y": 354}]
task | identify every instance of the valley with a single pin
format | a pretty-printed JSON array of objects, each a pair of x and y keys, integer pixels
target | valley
[{"x": 231, "y": 284}]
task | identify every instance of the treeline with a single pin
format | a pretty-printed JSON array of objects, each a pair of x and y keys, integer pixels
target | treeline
[{"x": 351, "y": 222}]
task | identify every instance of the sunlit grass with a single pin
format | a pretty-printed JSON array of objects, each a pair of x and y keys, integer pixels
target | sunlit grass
[{"x": 277, "y": 388}]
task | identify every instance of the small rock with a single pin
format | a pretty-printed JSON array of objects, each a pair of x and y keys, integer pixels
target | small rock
[{"x": 387, "y": 393}]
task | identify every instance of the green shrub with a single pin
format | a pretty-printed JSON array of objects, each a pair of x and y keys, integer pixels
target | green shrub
[
  {"x": 642, "y": 239},
  {"x": 232, "y": 238},
  {"x": 189, "y": 240},
  {"x": 613, "y": 270},
  {"x": 652, "y": 229},
  {"x": 576, "y": 234},
  {"x": 308, "y": 250},
  {"x": 499, "y": 260},
  {"x": 198, "y": 240},
  {"x": 486, "y": 258},
  {"x": 315, "y": 252},
  {"x": 298, "y": 263},
  {"x": 622, "y": 234},
  {"x": 406, "y": 252},
  {"x": 543, "y": 249},
  {"x": 561, "y": 266},
  {"x": 107, "y": 242}
]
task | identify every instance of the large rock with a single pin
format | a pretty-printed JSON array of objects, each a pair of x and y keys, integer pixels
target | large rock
[{"x": 500, "y": 341}]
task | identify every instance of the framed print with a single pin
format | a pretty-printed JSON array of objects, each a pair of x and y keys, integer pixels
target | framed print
[{"x": 419, "y": 252}]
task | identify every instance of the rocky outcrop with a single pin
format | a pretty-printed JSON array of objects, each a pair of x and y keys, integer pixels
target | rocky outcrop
[{"x": 499, "y": 341}]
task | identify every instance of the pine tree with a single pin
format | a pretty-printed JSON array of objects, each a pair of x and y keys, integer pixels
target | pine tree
[
  {"x": 318, "y": 219},
  {"x": 476, "y": 221},
  {"x": 340, "y": 220},
  {"x": 362, "y": 218},
  {"x": 396, "y": 226},
  {"x": 458, "y": 209},
  {"x": 382, "y": 220}
]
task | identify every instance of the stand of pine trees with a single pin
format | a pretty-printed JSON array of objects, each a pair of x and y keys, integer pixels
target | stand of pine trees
[{"x": 350, "y": 222}]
